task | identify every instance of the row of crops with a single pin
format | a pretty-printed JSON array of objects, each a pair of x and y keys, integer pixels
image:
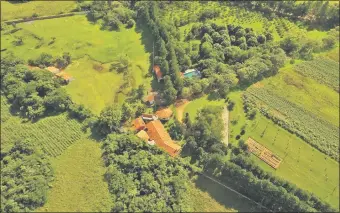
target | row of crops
[
  {"x": 311, "y": 128},
  {"x": 54, "y": 134},
  {"x": 323, "y": 70}
]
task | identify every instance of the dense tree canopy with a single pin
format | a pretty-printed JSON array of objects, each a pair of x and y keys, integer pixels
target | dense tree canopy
[
  {"x": 25, "y": 177},
  {"x": 142, "y": 178}
]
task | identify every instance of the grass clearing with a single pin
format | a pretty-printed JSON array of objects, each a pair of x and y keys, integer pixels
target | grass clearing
[
  {"x": 302, "y": 164},
  {"x": 95, "y": 89},
  {"x": 194, "y": 106},
  {"x": 79, "y": 184},
  {"x": 54, "y": 133},
  {"x": 15, "y": 10}
]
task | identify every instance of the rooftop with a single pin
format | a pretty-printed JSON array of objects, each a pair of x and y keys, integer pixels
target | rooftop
[
  {"x": 143, "y": 135},
  {"x": 157, "y": 132},
  {"x": 157, "y": 71},
  {"x": 139, "y": 123}
]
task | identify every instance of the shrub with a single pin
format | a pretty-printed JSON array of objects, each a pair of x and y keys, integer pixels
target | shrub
[{"x": 130, "y": 23}]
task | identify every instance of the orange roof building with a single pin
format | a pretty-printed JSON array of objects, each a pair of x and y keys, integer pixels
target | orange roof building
[
  {"x": 150, "y": 99},
  {"x": 158, "y": 72},
  {"x": 139, "y": 124},
  {"x": 164, "y": 114},
  {"x": 143, "y": 135},
  {"x": 156, "y": 132}
]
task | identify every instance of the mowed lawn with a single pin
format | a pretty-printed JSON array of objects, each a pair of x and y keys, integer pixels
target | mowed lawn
[
  {"x": 302, "y": 164},
  {"x": 10, "y": 11},
  {"x": 79, "y": 184},
  {"x": 194, "y": 106}
]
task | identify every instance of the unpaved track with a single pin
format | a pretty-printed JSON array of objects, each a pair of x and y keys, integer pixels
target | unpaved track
[
  {"x": 225, "y": 117},
  {"x": 180, "y": 110}
]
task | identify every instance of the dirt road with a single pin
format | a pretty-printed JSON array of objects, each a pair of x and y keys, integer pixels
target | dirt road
[
  {"x": 225, "y": 117},
  {"x": 180, "y": 109}
]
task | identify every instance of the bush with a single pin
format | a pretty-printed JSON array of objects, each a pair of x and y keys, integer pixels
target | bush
[{"x": 130, "y": 23}]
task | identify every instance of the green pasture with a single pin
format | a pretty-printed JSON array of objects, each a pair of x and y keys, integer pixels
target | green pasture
[
  {"x": 89, "y": 46},
  {"x": 15, "y": 10},
  {"x": 99, "y": 88},
  {"x": 79, "y": 184},
  {"x": 79, "y": 37},
  {"x": 302, "y": 164}
]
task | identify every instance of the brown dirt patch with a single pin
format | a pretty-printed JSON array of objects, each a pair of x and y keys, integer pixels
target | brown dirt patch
[
  {"x": 180, "y": 106},
  {"x": 98, "y": 67},
  {"x": 258, "y": 85}
]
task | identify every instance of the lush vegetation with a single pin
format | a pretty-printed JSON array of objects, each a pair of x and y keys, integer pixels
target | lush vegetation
[
  {"x": 205, "y": 146},
  {"x": 323, "y": 70},
  {"x": 302, "y": 165},
  {"x": 142, "y": 178},
  {"x": 14, "y": 10},
  {"x": 318, "y": 132},
  {"x": 78, "y": 184},
  {"x": 25, "y": 177},
  {"x": 321, "y": 14},
  {"x": 47, "y": 40}
]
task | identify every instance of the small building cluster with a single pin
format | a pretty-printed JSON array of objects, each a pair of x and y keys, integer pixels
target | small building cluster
[{"x": 150, "y": 129}]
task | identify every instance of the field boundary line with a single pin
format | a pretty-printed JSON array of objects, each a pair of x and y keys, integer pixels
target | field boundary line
[
  {"x": 28, "y": 19},
  {"x": 221, "y": 184}
]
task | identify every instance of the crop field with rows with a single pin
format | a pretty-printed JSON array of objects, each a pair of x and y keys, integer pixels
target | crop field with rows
[
  {"x": 323, "y": 70},
  {"x": 54, "y": 134},
  {"x": 313, "y": 129}
]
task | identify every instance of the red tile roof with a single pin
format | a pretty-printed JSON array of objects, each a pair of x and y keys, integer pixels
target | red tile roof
[
  {"x": 156, "y": 132},
  {"x": 157, "y": 71},
  {"x": 139, "y": 123}
]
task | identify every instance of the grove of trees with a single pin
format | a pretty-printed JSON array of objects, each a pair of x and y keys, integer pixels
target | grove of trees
[{"x": 25, "y": 177}]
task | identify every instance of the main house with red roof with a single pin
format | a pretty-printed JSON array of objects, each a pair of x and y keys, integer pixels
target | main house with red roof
[{"x": 157, "y": 133}]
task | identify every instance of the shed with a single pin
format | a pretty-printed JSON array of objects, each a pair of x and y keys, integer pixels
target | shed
[{"x": 149, "y": 117}]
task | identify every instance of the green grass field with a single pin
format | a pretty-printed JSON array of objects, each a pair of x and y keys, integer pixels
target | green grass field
[
  {"x": 209, "y": 196},
  {"x": 54, "y": 134},
  {"x": 10, "y": 11},
  {"x": 79, "y": 184},
  {"x": 303, "y": 165},
  {"x": 194, "y": 106},
  {"x": 88, "y": 46},
  {"x": 79, "y": 37}
]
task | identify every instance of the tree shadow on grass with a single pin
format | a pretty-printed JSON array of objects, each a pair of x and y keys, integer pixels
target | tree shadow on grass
[
  {"x": 213, "y": 96},
  {"x": 147, "y": 40},
  {"x": 225, "y": 196}
]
